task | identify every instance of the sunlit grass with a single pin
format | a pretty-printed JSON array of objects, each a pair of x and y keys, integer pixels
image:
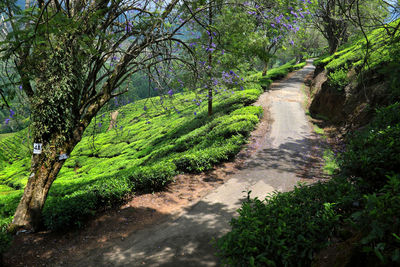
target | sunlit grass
[
  {"x": 319, "y": 130},
  {"x": 330, "y": 163}
]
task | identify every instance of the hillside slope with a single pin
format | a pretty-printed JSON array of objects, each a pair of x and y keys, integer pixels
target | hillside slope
[{"x": 349, "y": 87}]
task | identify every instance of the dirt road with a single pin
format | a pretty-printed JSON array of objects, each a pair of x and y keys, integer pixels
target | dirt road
[{"x": 185, "y": 240}]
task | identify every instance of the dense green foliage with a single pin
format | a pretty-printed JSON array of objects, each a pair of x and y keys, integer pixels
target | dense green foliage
[
  {"x": 381, "y": 59},
  {"x": 372, "y": 162},
  {"x": 286, "y": 229},
  {"x": 338, "y": 79},
  {"x": 373, "y": 154},
  {"x": 380, "y": 226}
]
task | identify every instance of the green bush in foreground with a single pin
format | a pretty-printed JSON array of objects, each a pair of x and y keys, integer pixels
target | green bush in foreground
[
  {"x": 380, "y": 224},
  {"x": 286, "y": 229},
  {"x": 374, "y": 153},
  {"x": 372, "y": 161}
]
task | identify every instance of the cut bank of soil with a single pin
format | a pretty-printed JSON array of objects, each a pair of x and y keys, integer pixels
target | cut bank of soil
[{"x": 145, "y": 211}]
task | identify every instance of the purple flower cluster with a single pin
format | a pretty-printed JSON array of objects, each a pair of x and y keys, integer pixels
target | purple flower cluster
[
  {"x": 229, "y": 77},
  {"x": 288, "y": 23},
  {"x": 12, "y": 113}
]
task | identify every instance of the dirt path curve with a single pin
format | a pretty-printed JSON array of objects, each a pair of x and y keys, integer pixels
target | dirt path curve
[{"x": 185, "y": 241}]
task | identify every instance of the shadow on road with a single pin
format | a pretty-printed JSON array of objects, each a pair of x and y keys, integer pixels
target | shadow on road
[
  {"x": 289, "y": 157},
  {"x": 185, "y": 241}
]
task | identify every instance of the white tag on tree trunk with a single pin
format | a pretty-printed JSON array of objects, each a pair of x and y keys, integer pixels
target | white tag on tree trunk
[
  {"x": 62, "y": 157},
  {"x": 37, "y": 148}
]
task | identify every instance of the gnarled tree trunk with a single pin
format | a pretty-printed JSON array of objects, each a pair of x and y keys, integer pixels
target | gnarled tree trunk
[{"x": 44, "y": 171}]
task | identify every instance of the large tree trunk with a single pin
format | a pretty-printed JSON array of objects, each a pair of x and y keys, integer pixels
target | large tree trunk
[{"x": 44, "y": 171}]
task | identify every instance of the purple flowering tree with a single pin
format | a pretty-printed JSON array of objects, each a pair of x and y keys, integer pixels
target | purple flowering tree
[{"x": 254, "y": 30}]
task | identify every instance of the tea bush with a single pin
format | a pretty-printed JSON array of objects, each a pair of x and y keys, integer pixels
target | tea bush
[
  {"x": 62, "y": 213},
  {"x": 275, "y": 74},
  {"x": 203, "y": 160},
  {"x": 151, "y": 178},
  {"x": 374, "y": 153},
  {"x": 338, "y": 79},
  {"x": 287, "y": 229},
  {"x": 372, "y": 161},
  {"x": 380, "y": 224}
]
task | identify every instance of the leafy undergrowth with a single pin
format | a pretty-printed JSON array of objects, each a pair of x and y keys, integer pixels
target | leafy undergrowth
[
  {"x": 151, "y": 141},
  {"x": 288, "y": 229}
]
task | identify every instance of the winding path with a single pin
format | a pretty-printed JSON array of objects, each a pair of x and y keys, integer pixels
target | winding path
[{"x": 185, "y": 241}]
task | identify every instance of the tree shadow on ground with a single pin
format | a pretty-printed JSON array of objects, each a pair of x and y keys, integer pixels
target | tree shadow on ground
[
  {"x": 184, "y": 241},
  {"x": 290, "y": 156}
]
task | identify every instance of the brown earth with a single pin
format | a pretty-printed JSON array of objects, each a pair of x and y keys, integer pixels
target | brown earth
[{"x": 353, "y": 106}]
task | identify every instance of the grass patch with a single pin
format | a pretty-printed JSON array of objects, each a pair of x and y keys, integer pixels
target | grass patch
[
  {"x": 319, "y": 130},
  {"x": 330, "y": 162},
  {"x": 329, "y": 157}
]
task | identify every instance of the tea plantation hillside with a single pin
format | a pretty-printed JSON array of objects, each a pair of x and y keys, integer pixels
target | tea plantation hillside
[
  {"x": 142, "y": 151},
  {"x": 149, "y": 143}
]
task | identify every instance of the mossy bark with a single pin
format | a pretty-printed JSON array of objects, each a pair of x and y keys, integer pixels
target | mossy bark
[{"x": 44, "y": 171}]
